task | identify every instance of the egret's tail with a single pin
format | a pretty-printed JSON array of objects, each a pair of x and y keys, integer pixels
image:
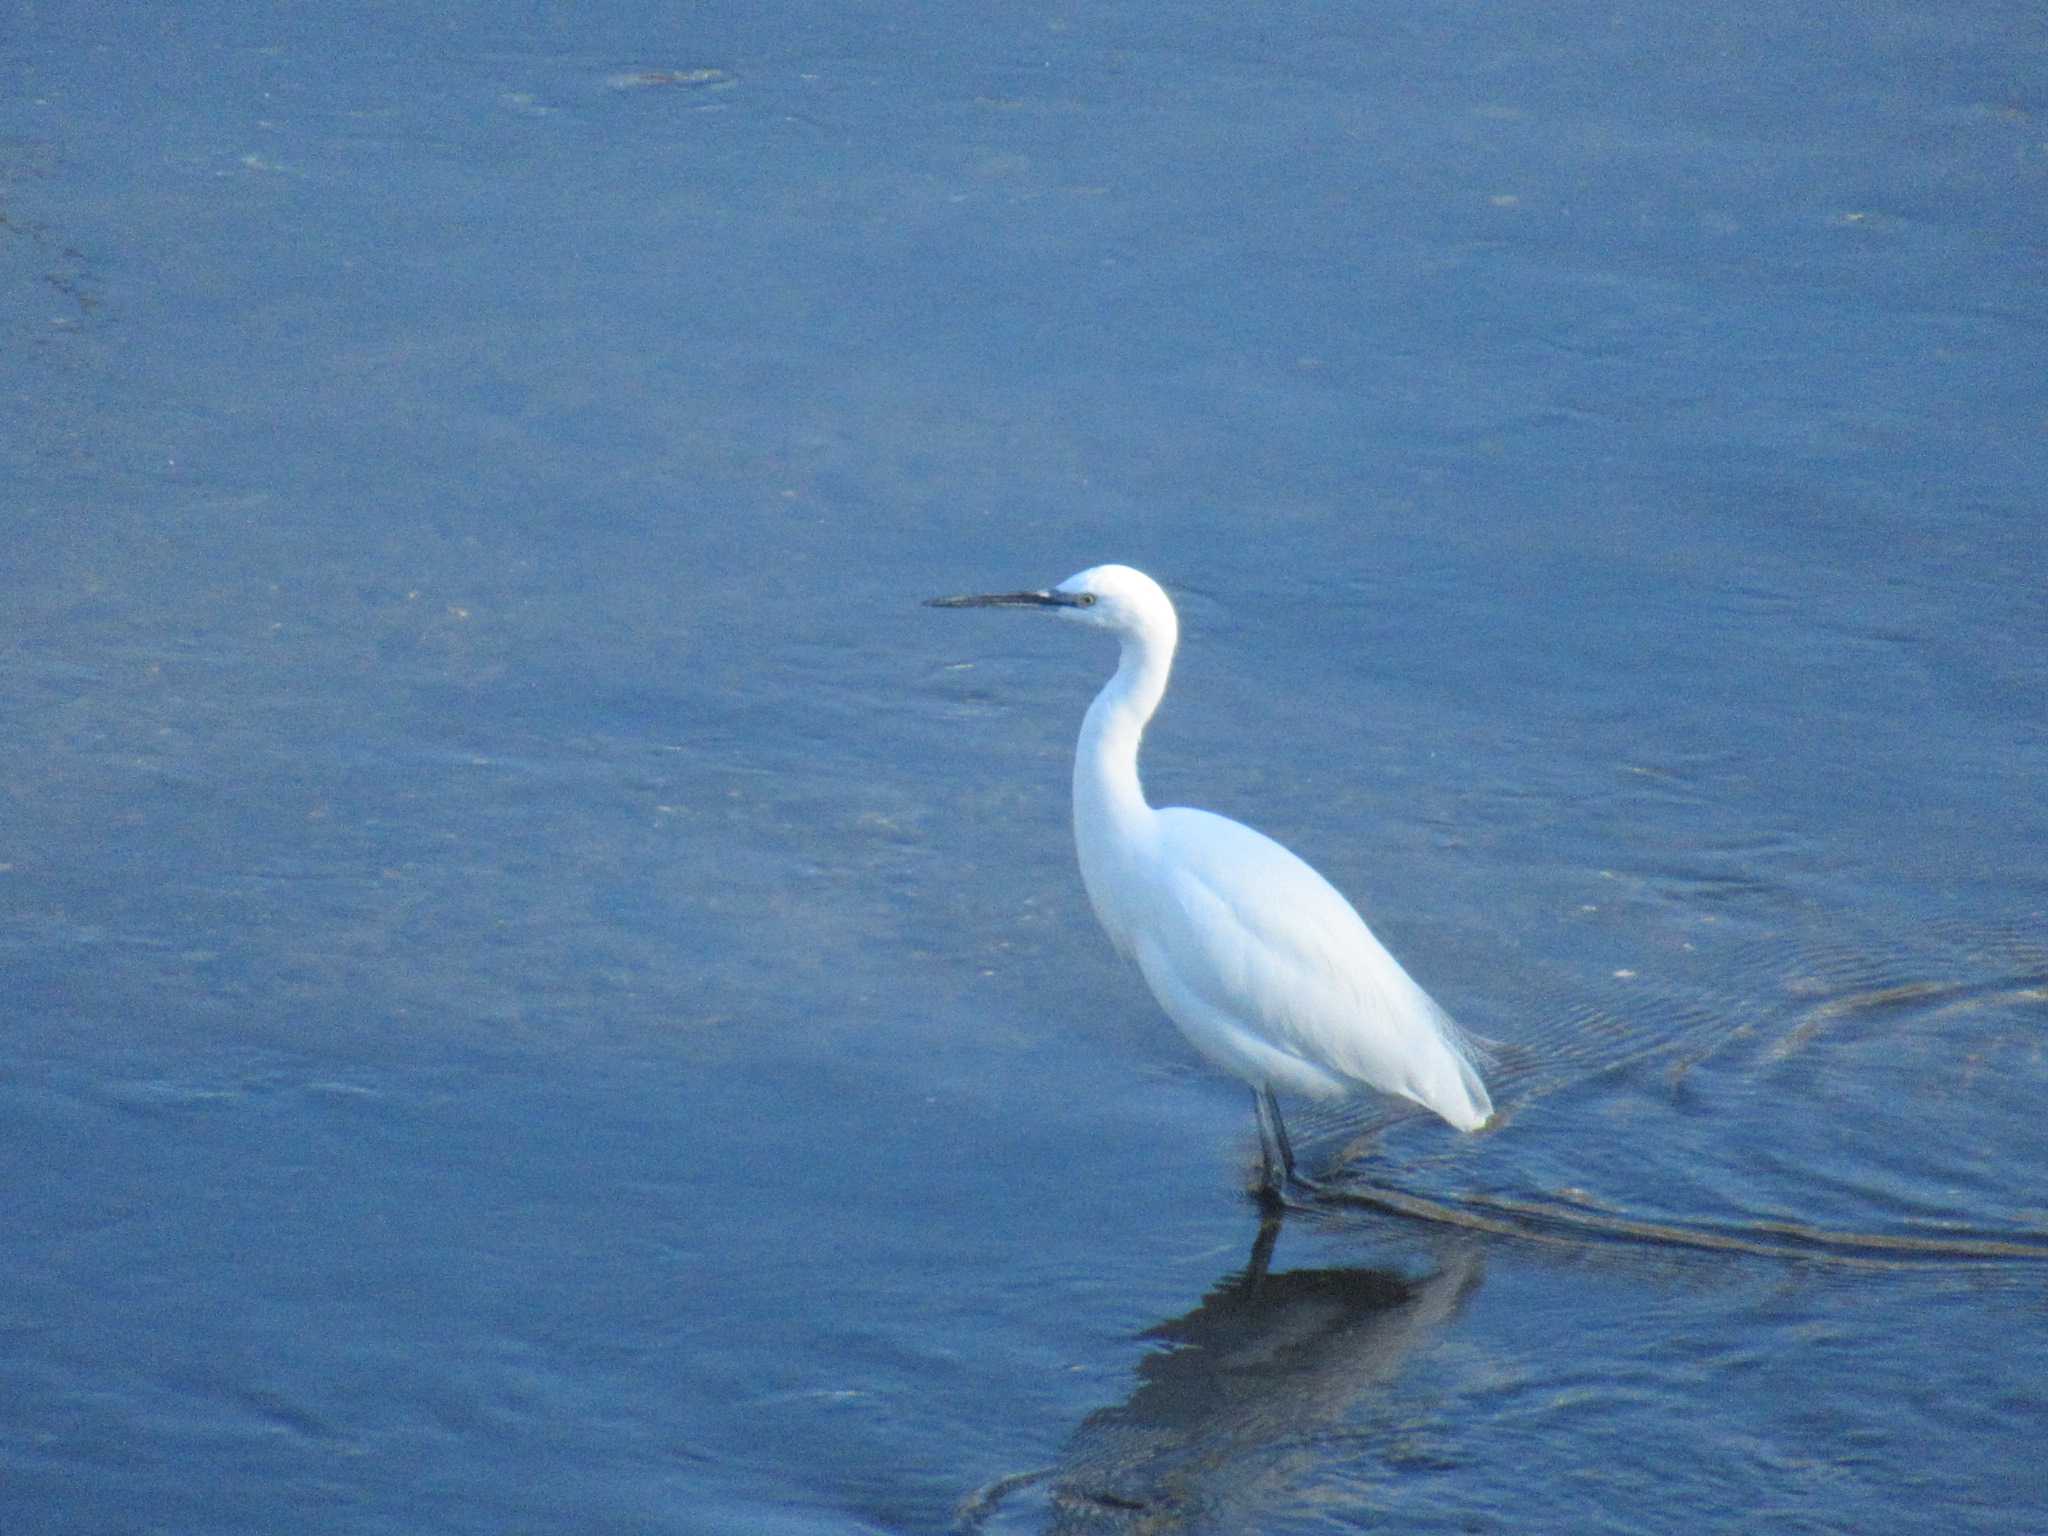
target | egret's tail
[
  {"x": 1449, "y": 1082},
  {"x": 1471, "y": 1106}
]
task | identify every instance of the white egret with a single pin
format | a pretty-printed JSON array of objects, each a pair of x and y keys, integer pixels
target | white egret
[{"x": 1268, "y": 971}]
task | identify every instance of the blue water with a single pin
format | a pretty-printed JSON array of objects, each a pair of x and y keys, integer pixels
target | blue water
[{"x": 545, "y": 993}]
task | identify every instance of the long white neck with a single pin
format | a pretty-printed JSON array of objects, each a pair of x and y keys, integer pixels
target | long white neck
[{"x": 1111, "y": 819}]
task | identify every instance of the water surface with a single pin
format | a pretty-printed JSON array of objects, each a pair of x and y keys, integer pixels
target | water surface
[{"x": 547, "y": 993}]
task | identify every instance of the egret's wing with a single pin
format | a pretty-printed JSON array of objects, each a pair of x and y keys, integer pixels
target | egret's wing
[{"x": 1261, "y": 935}]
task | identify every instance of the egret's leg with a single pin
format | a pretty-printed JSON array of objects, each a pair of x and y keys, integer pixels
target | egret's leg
[
  {"x": 1275, "y": 1158},
  {"x": 1272, "y": 1138}
]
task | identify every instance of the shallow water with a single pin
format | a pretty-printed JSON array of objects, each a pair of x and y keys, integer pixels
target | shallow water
[{"x": 547, "y": 993}]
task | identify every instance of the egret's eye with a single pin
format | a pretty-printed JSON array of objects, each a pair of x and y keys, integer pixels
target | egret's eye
[{"x": 1085, "y": 600}]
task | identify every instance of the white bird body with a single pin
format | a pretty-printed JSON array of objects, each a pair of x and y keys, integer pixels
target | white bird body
[
  {"x": 1300, "y": 997},
  {"x": 1268, "y": 971}
]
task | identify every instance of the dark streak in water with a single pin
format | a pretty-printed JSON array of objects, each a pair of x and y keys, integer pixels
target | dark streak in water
[{"x": 1543, "y": 1222}]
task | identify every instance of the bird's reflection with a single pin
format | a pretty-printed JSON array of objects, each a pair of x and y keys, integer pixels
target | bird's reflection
[{"x": 1228, "y": 1418}]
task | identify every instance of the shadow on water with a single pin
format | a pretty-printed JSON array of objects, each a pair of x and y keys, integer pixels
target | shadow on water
[{"x": 1230, "y": 1417}]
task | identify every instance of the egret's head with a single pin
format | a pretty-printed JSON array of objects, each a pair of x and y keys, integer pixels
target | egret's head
[{"x": 1114, "y": 597}]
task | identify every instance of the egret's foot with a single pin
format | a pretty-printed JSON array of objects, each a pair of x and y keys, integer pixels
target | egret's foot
[
  {"x": 1303, "y": 1184},
  {"x": 1280, "y": 1192}
]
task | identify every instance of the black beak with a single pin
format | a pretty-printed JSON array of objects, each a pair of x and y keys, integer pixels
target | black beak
[{"x": 1004, "y": 600}]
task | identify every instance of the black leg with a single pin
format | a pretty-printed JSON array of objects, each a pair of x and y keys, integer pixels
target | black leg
[
  {"x": 1275, "y": 1157},
  {"x": 1273, "y": 1144}
]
